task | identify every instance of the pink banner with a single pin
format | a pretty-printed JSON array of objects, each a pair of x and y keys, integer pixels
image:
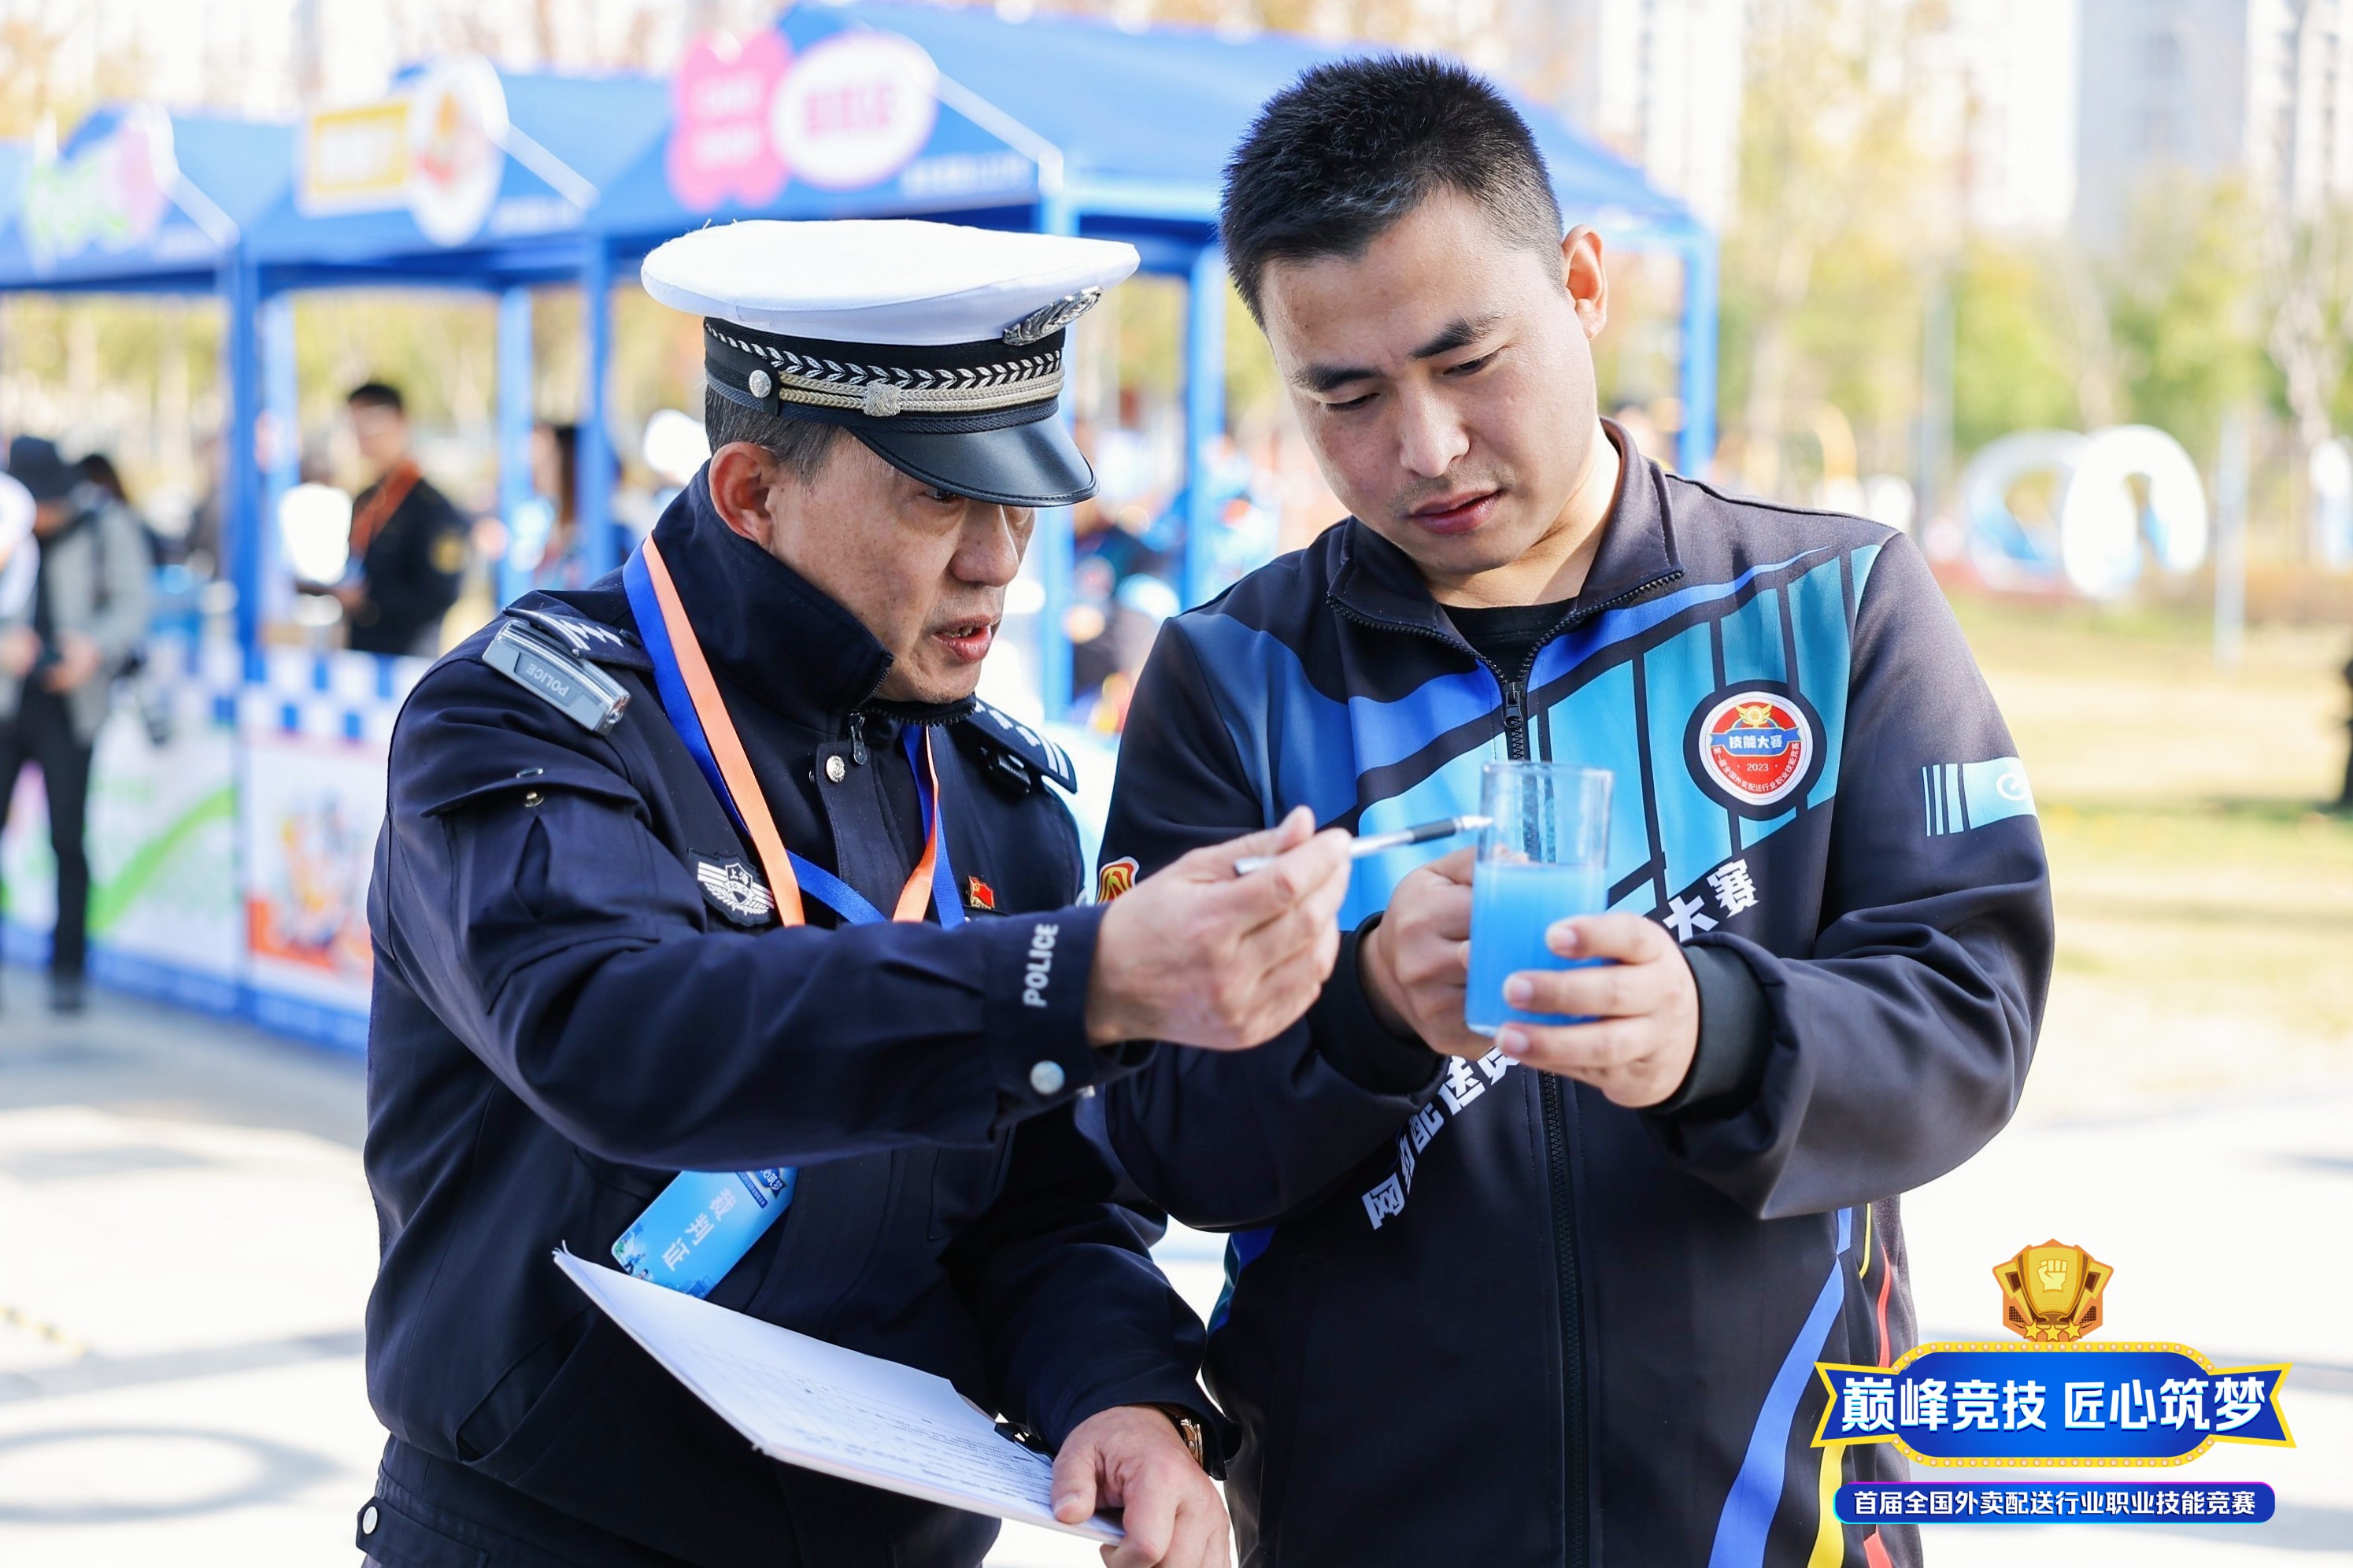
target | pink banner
[{"x": 719, "y": 145}]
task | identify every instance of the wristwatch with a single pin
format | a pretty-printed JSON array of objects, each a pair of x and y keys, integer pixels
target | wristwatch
[{"x": 1188, "y": 1427}]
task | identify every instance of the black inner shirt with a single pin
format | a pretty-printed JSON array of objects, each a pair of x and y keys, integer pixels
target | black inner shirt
[{"x": 1507, "y": 635}]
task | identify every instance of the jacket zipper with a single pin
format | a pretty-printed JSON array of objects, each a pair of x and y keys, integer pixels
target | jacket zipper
[
  {"x": 1574, "y": 1458},
  {"x": 1574, "y": 1461},
  {"x": 1516, "y": 718}
]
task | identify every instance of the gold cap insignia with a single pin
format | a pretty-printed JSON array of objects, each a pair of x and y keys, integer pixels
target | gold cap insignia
[{"x": 2051, "y": 1292}]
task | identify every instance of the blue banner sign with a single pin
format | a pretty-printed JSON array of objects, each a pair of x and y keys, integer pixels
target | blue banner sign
[
  {"x": 2056, "y": 1502},
  {"x": 2052, "y": 1403}
]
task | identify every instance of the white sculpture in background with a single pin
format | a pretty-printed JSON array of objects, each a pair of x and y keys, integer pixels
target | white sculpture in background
[
  {"x": 315, "y": 529},
  {"x": 2098, "y": 527}
]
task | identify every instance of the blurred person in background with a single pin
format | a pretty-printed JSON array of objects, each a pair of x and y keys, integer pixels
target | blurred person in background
[
  {"x": 198, "y": 547},
  {"x": 408, "y": 543},
  {"x": 59, "y": 653},
  {"x": 97, "y": 471},
  {"x": 1125, "y": 553},
  {"x": 545, "y": 550}
]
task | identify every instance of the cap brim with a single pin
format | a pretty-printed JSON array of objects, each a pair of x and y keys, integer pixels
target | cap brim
[{"x": 1032, "y": 464}]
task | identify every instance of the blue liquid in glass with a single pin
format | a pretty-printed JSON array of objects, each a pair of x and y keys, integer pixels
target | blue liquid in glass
[{"x": 1511, "y": 903}]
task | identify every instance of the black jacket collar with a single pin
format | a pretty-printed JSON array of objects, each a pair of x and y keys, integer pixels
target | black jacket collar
[
  {"x": 767, "y": 631},
  {"x": 1375, "y": 580}
]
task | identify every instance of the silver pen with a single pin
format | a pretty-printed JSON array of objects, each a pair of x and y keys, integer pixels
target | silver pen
[{"x": 1374, "y": 843}]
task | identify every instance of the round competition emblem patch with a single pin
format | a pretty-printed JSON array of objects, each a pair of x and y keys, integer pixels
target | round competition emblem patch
[{"x": 1755, "y": 746}]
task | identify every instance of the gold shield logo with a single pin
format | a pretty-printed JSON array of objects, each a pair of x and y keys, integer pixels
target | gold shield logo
[{"x": 2051, "y": 1292}]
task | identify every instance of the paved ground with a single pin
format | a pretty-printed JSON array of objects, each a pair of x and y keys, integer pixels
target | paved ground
[{"x": 187, "y": 1242}]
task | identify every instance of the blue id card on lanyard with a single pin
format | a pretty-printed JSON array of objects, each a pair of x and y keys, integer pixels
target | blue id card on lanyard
[
  {"x": 701, "y": 1226},
  {"x": 705, "y": 1221}
]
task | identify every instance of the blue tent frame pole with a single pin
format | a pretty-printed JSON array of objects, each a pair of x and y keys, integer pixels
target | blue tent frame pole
[
  {"x": 1696, "y": 443},
  {"x": 240, "y": 288},
  {"x": 1054, "y": 541},
  {"x": 600, "y": 547},
  {"x": 1205, "y": 412},
  {"x": 281, "y": 401},
  {"x": 515, "y": 405}
]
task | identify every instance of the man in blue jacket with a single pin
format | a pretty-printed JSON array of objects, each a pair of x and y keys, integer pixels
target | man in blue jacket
[
  {"x": 1555, "y": 1298},
  {"x": 715, "y": 865}
]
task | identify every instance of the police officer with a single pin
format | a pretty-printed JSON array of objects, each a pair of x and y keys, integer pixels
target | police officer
[
  {"x": 716, "y": 865},
  {"x": 408, "y": 543}
]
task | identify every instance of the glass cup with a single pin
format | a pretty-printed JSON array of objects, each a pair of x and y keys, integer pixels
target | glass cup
[{"x": 1543, "y": 857}]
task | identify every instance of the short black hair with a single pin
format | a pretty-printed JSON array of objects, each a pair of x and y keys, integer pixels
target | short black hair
[
  {"x": 377, "y": 394},
  {"x": 801, "y": 445},
  {"x": 1351, "y": 147}
]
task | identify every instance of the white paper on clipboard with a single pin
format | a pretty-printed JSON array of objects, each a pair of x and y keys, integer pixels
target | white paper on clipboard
[{"x": 825, "y": 1408}]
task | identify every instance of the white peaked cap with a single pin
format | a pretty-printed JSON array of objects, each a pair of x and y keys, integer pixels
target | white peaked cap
[{"x": 883, "y": 282}]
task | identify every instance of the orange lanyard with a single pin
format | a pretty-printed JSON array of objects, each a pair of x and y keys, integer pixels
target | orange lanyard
[
  {"x": 390, "y": 491},
  {"x": 690, "y": 696}
]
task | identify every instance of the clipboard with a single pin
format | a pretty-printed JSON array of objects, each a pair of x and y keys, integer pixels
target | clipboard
[{"x": 808, "y": 1403}]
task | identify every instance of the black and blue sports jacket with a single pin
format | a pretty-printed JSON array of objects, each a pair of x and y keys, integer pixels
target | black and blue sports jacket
[{"x": 1480, "y": 1314}]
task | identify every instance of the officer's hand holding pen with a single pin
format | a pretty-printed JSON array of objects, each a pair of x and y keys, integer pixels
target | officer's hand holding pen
[{"x": 1197, "y": 955}]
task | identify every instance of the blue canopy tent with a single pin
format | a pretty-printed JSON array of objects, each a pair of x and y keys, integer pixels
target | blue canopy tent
[
  {"x": 1072, "y": 126},
  {"x": 471, "y": 178},
  {"x": 143, "y": 200},
  {"x": 468, "y": 177},
  {"x": 137, "y": 200},
  {"x": 464, "y": 177}
]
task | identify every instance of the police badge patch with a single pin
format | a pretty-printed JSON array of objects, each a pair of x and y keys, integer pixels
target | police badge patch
[{"x": 734, "y": 890}]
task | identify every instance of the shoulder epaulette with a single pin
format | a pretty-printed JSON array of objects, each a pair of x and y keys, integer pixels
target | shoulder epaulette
[
  {"x": 1017, "y": 739},
  {"x": 561, "y": 678},
  {"x": 583, "y": 637}
]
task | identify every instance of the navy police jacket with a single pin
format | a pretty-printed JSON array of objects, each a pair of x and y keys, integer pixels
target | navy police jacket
[
  {"x": 576, "y": 998},
  {"x": 1480, "y": 1314}
]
